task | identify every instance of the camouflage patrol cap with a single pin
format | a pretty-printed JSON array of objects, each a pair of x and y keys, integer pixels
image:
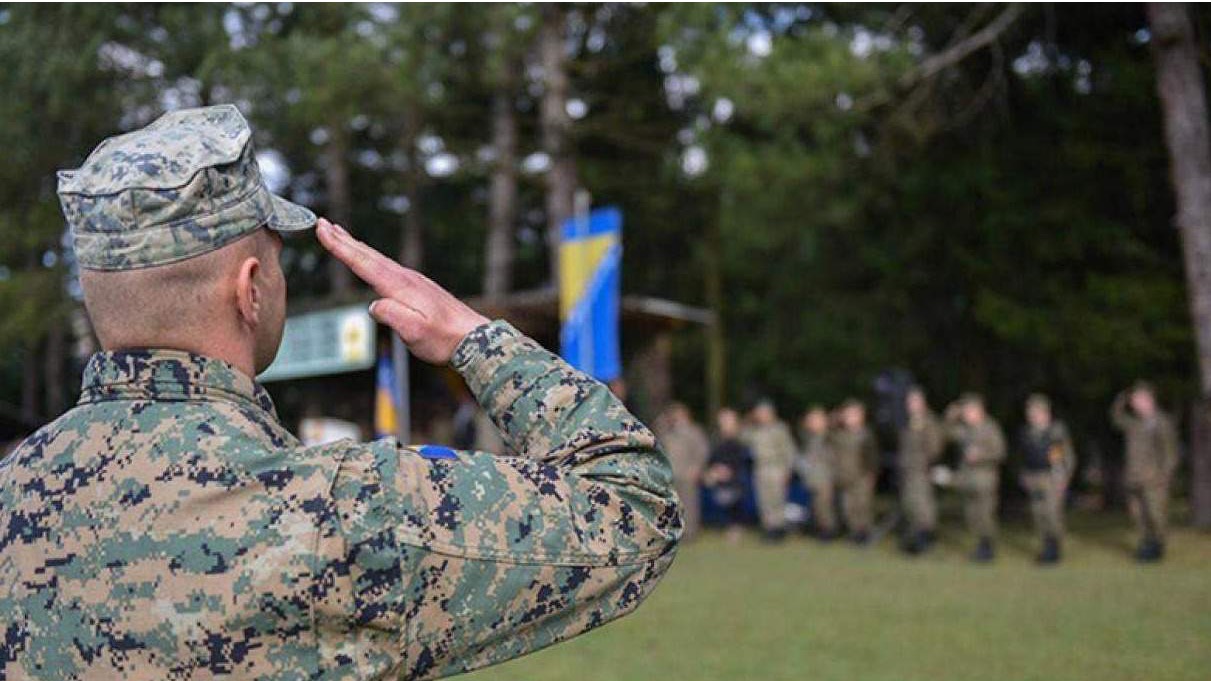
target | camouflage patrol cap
[{"x": 185, "y": 185}]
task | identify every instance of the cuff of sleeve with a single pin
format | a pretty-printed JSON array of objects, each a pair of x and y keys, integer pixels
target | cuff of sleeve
[{"x": 482, "y": 351}]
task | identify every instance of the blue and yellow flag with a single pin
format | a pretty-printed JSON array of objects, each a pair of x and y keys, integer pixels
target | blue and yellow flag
[
  {"x": 386, "y": 398},
  {"x": 590, "y": 257}
]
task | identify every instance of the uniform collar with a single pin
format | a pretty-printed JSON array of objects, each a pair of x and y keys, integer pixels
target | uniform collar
[{"x": 168, "y": 376}]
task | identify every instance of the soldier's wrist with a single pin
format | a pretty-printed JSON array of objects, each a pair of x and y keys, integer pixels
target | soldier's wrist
[{"x": 483, "y": 351}]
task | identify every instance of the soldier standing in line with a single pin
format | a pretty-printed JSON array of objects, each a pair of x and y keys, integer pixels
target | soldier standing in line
[
  {"x": 686, "y": 445},
  {"x": 816, "y": 466},
  {"x": 857, "y": 464},
  {"x": 773, "y": 449},
  {"x": 921, "y": 443},
  {"x": 169, "y": 526},
  {"x": 1151, "y": 441},
  {"x": 725, "y": 471},
  {"x": 1048, "y": 462},
  {"x": 981, "y": 444}
]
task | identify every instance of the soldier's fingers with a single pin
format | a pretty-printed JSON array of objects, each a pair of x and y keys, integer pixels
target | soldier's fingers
[
  {"x": 401, "y": 317},
  {"x": 386, "y": 276}
]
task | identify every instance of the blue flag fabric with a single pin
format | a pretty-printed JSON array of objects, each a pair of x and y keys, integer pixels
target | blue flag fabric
[{"x": 590, "y": 260}]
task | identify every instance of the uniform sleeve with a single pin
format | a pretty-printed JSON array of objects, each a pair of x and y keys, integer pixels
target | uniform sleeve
[
  {"x": 502, "y": 556},
  {"x": 1069, "y": 452}
]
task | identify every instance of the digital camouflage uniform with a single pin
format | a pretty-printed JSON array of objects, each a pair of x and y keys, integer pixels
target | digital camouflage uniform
[
  {"x": 816, "y": 468},
  {"x": 857, "y": 462},
  {"x": 921, "y": 443},
  {"x": 773, "y": 451},
  {"x": 1151, "y": 458},
  {"x": 982, "y": 450},
  {"x": 1048, "y": 462},
  {"x": 169, "y": 526}
]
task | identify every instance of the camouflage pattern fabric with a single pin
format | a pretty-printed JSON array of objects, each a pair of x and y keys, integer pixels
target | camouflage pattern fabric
[
  {"x": 816, "y": 465},
  {"x": 185, "y": 185},
  {"x": 982, "y": 448},
  {"x": 169, "y": 527},
  {"x": 921, "y": 443},
  {"x": 1152, "y": 456},
  {"x": 773, "y": 451}
]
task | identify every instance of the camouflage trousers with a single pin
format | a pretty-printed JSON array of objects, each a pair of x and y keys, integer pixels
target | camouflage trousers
[
  {"x": 1148, "y": 503},
  {"x": 691, "y": 505},
  {"x": 1046, "y": 492},
  {"x": 917, "y": 500},
  {"x": 824, "y": 510},
  {"x": 980, "y": 487},
  {"x": 857, "y": 503},
  {"x": 770, "y": 481}
]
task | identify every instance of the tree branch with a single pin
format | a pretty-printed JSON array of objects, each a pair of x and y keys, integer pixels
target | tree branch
[{"x": 958, "y": 51}]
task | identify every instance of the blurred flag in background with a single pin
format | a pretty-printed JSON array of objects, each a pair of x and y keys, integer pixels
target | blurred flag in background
[
  {"x": 386, "y": 398},
  {"x": 590, "y": 255}
]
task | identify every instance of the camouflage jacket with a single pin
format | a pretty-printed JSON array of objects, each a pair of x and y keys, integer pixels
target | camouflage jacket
[
  {"x": 1152, "y": 445},
  {"x": 921, "y": 443},
  {"x": 772, "y": 445},
  {"x": 980, "y": 446},
  {"x": 169, "y": 527},
  {"x": 855, "y": 452}
]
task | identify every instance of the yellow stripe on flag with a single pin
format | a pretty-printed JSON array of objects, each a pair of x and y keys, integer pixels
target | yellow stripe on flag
[{"x": 578, "y": 261}]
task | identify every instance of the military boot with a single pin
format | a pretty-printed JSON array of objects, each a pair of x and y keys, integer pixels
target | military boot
[
  {"x": 1149, "y": 551},
  {"x": 1050, "y": 555},
  {"x": 985, "y": 551}
]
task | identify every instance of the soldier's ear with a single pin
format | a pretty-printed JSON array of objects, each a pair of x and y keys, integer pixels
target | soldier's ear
[{"x": 249, "y": 296}]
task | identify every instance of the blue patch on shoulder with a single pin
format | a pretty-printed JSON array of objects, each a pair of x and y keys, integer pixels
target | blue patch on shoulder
[{"x": 437, "y": 452}]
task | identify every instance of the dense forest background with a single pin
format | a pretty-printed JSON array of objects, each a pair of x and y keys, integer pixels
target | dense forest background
[{"x": 978, "y": 194}]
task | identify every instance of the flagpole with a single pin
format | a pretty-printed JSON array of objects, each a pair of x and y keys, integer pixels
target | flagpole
[{"x": 399, "y": 362}]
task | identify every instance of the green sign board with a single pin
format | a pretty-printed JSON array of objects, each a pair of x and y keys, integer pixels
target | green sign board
[{"x": 329, "y": 342}]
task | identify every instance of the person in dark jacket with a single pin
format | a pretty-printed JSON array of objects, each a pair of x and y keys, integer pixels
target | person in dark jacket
[{"x": 725, "y": 469}]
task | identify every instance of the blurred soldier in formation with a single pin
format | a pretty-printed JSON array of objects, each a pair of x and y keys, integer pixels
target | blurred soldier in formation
[
  {"x": 1150, "y": 438},
  {"x": 857, "y": 463},
  {"x": 686, "y": 445},
  {"x": 1048, "y": 462},
  {"x": 773, "y": 449},
  {"x": 724, "y": 472},
  {"x": 981, "y": 444},
  {"x": 921, "y": 443},
  {"x": 816, "y": 469}
]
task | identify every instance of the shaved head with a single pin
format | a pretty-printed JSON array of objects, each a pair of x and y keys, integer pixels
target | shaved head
[{"x": 196, "y": 304}]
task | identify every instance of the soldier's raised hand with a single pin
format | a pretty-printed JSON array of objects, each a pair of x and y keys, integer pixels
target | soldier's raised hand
[{"x": 429, "y": 319}]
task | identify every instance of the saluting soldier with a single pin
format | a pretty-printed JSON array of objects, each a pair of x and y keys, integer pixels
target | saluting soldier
[
  {"x": 773, "y": 448},
  {"x": 1150, "y": 438},
  {"x": 981, "y": 444},
  {"x": 170, "y": 527},
  {"x": 817, "y": 464},
  {"x": 857, "y": 463},
  {"x": 1048, "y": 462},
  {"x": 921, "y": 443}
]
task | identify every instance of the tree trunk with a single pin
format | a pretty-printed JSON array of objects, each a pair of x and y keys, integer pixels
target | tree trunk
[
  {"x": 412, "y": 242},
  {"x": 340, "y": 201},
  {"x": 556, "y": 130},
  {"x": 1184, "y": 109},
  {"x": 716, "y": 339},
  {"x": 502, "y": 197}
]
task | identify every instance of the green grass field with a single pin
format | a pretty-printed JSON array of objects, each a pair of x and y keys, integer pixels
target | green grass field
[{"x": 804, "y": 611}]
